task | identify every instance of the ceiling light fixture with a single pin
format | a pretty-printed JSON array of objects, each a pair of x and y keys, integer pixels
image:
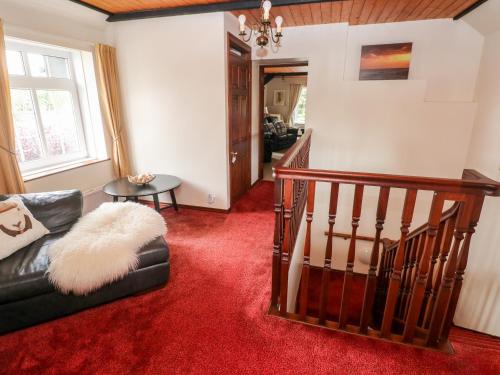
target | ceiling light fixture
[{"x": 263, "y": 30}]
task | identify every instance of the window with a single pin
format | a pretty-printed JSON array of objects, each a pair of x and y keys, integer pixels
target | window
[
  {"x": 299, "y": 114},
  {"x": 51, "y": 106}
]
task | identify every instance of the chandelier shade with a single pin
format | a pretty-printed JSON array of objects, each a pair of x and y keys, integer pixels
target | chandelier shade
[{"x": 263, "y": 29}]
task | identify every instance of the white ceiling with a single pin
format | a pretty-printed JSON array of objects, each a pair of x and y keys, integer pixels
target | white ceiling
[{"x": 486, "y": 18}]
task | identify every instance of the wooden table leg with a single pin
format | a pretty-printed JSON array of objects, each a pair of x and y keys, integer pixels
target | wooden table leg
[
  {"x": 157, "y": 202},
  {"x": 174, "y": 201}
]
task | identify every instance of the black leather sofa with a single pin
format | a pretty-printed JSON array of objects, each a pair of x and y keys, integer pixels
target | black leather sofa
[
  {"x": 26, "y": 295},
  {"x": 277, "y": 136}
]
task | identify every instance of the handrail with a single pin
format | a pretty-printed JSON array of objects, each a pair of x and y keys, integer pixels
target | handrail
[
  {"x": 424, "y": 227},
  {"x": 412, "y": 288},
  {"x": 289, "y": 204},
  {"x": 484, "y": 184},
  {"x": 293, "y": 151}
]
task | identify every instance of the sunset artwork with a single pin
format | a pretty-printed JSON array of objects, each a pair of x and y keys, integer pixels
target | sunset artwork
[{"x": 385, "y": 61}]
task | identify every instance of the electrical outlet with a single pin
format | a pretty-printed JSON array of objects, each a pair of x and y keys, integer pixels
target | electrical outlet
[{"x": 211, "y": 198}]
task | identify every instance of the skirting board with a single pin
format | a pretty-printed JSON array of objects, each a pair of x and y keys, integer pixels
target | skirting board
[
  {"x": 199, "y": 208},
  {"x": 210, "y": 209}
]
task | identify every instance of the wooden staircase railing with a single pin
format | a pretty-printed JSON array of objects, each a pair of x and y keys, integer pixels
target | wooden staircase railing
[{"x": 411, "y": 289}]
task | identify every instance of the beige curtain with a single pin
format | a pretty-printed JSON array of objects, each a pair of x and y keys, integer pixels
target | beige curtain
[
  {"x": 109, "y": 94},
  {"x": 11, "y": 180},
  {"x": 293, "y": 99}
]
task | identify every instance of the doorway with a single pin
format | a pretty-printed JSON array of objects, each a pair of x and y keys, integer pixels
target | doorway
[
  {"x": 283, "y": 107},
  {"x": 239, "y": 116}
]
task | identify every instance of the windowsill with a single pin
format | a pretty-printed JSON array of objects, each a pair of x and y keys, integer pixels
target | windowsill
[{"x": 29, "y": 176}]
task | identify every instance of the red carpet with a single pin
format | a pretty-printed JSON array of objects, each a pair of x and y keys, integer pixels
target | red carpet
[
  {"x": 211, "y": 319},
  {"x": 334, "y": 295}
]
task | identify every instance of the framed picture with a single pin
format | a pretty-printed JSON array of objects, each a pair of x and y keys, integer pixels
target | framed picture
[
  {"x": 385, "y": 61},
  {"x": 279, "y": 97}
]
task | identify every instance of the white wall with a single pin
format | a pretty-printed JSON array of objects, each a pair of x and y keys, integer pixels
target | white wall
[
  {"x": 479, "y": 305},
  {"x": 173, "y": 77},
  {"x": 67, "y": 24},
  {"x": 486, "y": 18}
]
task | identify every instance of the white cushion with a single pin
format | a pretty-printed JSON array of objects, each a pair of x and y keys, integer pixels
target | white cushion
[{"x": 18, "y": 227}]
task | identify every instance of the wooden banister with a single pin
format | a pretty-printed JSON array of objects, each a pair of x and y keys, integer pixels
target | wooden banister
[
  {"x": 395, "y": 279},
  {"x": 325, "y": 279},
  {"x": 447, "y": 185},
  {"x": 371, "y": 280},
  {"x": 293, "y": 154},
  {"x": 423, "y": 228},
  {"x": 349, "y": 271},
  {"x": 412, "y": 286}
]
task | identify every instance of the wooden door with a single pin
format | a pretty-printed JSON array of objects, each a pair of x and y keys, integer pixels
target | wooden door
[{"x": 239, "y": 103}]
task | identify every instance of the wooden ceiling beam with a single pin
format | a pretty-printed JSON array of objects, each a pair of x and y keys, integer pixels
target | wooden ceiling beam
[
  {"x": 204, "y": 8},
  {"x": 469, "y": 9}
]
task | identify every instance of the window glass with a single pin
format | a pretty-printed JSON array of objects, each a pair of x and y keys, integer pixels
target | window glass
[
  {"x": 58, "y": 67},
  {"x": 58, "y": 120},
  {"x": 28, "y": 145},
  {"x": 38, "y": 68},
  {"x": 54, "y": 121},
  {"x": 299, "y": 116},
  {"x": 15, "y": 64}
]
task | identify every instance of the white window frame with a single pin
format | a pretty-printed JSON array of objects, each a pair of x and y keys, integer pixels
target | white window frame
[
  {"x": 71, "y": 84},
  {"x": 295, "y": 109}
]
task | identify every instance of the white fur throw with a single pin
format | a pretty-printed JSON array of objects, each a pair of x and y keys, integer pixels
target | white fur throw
[{"x": 102, "y": 247}]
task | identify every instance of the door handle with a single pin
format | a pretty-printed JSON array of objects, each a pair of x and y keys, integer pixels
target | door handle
[{"x": 233, "y": 157}]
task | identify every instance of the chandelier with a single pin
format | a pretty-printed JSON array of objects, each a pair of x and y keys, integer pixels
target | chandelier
[{"x": 263, "y": 30}]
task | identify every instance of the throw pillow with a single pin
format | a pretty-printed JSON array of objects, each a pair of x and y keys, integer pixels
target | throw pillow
[
  {"x": 18, "y": 227},
  {"x": 273, "y": 119},
  {"x": 280, "y": 128},
  {"x": 270, "y": 128}
]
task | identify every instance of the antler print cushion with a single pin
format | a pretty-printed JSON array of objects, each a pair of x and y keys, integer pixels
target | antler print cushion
[{"x": 18, "y": 227}]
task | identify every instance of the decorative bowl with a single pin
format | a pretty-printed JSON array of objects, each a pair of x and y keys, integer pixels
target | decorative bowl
[{"x": 141, "y": 179}]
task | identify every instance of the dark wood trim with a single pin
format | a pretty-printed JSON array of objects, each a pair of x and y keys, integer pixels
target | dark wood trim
[
  {"x": 93, "y": 7},
  {"x": 203, "y": 8},
  {"x": 234, "y": 41},
  {"x": 469, "y": 9}
]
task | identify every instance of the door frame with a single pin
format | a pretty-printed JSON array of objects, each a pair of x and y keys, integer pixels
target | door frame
[
  {"x": 236, "y": 43},
  {"x": 261, "y": 106}
]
